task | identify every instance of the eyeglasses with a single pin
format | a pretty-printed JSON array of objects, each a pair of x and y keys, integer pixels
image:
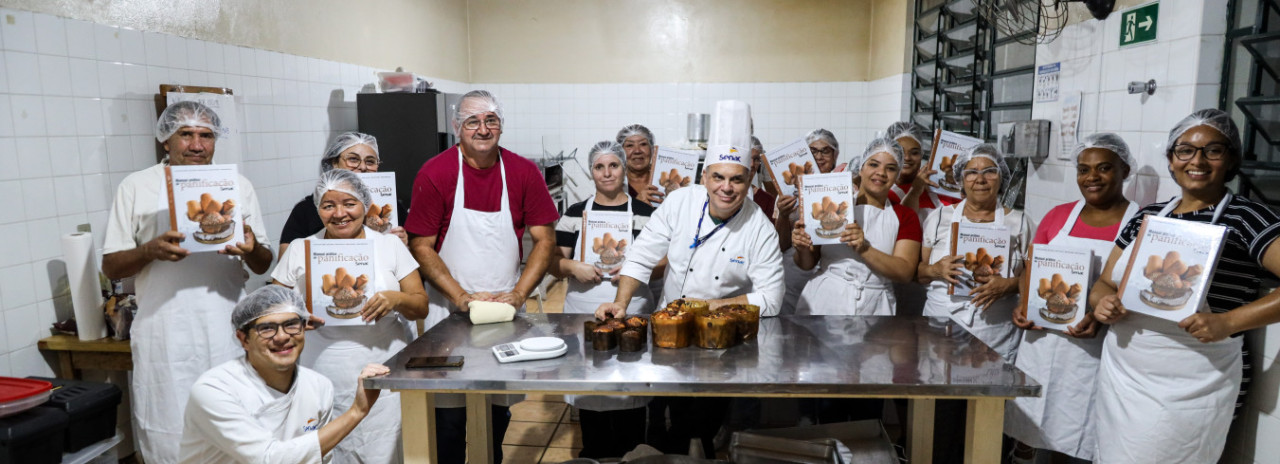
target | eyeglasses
[
  {"x": 269, "y": 329},
  {"x": 1212, "y": 152},
  {"x": 990, "y": 173},
  {"x": 355, "y": 161},
  {"x": 491, "y": 122},
  {"x": 825, "y": 152}
]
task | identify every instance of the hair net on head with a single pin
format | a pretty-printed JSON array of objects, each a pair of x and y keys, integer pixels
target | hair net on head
[
  {"x": 823, "y": 135},
  {"x": 476, "y": 102},
  {"x": 187, "y": 114},
  {"x": 909, "y": 129},
  {"x": 880, "y": 145},
  {"x": 265, "y": 301},
  {"x": 983, "y": 150},
  {"x": 604, "y": 148},
  {"x": 1106, "y": 141},
  {"x": 344, "y": 181},
  {"x": 756, "y": 145},
  {"x": 341, "y": 143},
  {"x": 1218, "y": 120},
  {"x": 635, "y": 129}
]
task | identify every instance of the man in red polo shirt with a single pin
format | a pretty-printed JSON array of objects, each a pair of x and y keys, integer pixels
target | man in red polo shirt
[{"x": 471, "y": 206}]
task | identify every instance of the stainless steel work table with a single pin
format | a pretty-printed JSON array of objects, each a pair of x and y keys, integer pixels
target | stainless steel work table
[{"x": 921, "y": 359}]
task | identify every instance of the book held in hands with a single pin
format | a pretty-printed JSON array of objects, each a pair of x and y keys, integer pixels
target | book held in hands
[
  {"x": 202, "y": 205},
  {"x": 604, "y": 239},
  {"x": 673, "y": 169},
  {"x": 947, "y": 148},
  {"x": 339, "y": 279},
  {"x": 828, "y": 202},
  {"x": 787, "y": 163},
  {"x": 383, "y": 213},
  {"x": 1059, "y": 286},
  {"x": 1170, "y": 268},
  {"x": 985, "y": 248}
]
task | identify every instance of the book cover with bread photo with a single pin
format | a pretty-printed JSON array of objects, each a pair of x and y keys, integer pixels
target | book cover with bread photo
[
  {"x": 1170, "y": 267},
  {"x": 604, "y": 240},
  {"x": 673, "y": 169},
  {"x": 985, "y": 248},
  {"x": 787, "y": 163},
  {"x": 202, "y": 205},
  {"x": 1059, "y": 286},
  {"x": 947, "y": 148},
  {"x": 827, "y": 201},
  {"x": 339, "y": 279},
  {"x": 382, "y": 214}
]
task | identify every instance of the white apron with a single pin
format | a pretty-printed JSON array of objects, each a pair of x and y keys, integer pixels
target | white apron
[
  {"x": 582, "y": 298},
  {"x": 794, "y": 278},
  {"x": 482, "y": 253},
  {"x": 846, "y": 286},
  {"x": 993, "y": 326},
  {"x": 340, "y": 353},
  {"x": 1060, "y": 419},
  {"x": 183, "y": 328},
  {"x": 1164, "y": 396}
]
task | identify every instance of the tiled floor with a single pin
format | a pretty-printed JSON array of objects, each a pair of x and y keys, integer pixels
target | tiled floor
[{"x": 541, "y": 429}]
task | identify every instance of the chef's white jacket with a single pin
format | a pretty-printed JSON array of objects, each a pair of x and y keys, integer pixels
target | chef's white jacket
[
  {"x": 741, "y": 259},
  {"x": 234, "y": 417}
]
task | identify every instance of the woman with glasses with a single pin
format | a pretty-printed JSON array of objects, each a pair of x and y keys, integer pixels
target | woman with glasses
[
  {"x": 396, "y": 297},
  {"x": 1059, "y": 419},
  {"x": 987, "y": 313},
  {"x": 1166, "y": 391},
  {"x": 825, "y": 149},
  {"x": 351, "y": 151}
]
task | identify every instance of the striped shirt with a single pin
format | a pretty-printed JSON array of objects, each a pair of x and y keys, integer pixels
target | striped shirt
[{"x": 1250, "y": 228}]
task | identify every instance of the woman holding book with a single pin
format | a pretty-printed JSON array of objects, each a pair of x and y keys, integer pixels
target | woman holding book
[
  {"x": 825, "y": 150},
  {"x": 395, "y": 297},
  {"x": 352, "y": 151},
  {"x": 912, "y": 190},
  {"x": 611, "y": 425},
  {"x": 879, "y": 247},
  {"x": 987, "y": 312},
  {"x": 1059, "y": 419},
  {"x": 1166, "y": 392}
]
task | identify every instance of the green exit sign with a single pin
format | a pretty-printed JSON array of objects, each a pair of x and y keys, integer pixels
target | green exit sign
[{"x": 1138, "y": 25}]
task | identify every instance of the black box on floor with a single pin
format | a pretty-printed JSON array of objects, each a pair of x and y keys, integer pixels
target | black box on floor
[
  {"x": 33, "y": 436},
  {"x": 91, "y": 407}
]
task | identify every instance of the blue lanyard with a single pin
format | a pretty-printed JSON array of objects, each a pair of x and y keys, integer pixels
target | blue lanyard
[{"x": 699, "y": 241}]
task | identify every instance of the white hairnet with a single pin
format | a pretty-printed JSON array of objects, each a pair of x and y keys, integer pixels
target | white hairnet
[
  {"x": 476, "y": 102},
  {"x": 1106, "y": 141},
  {"x": 756, "y": 145},
  {"x": 344, "y": 181},
  {"x": 265, "y": 301},
  {"x": 187, "y": 114},
  {"x": 635, "y": 129},
  {"x": 880, "y": 145},
  {"x": 604, "y": 148},
  {"x": 1218, "y": 120},
  {"x": 909, "y": 129},
  {"x": 823, "y": 135},
  {"x": 983, "y": 150},
  {"x": 341, "y": 143}
]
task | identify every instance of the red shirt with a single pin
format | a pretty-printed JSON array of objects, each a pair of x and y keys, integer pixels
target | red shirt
[
  {"x": 765, "y": 200},
  {"x": 925, "y": 201},
  {"x": 433, "y": 190},
  {"x": 1057, "y": 217},
  {"x": 908, "y": 224}
]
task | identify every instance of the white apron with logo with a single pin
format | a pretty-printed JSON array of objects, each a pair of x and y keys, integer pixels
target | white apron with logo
[
  {"x": 994, "y": 326},
  {"x": 182, "y": 329},
  {"x": 1060, "y": 419},
  {"x": 845, "y": 286},
  {"x": 1164, "y": 396},
  {"x": 482, "y": 253}
]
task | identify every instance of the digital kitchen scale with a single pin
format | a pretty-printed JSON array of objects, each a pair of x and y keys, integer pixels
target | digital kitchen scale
[{"x": 530, "y": 349}]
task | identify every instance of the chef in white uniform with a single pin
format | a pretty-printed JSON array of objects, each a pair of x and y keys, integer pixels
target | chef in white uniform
[
  {"x": 263, "y": 407},
  {"x": 1166, "y": 392},
  {"x": 184, "y": 299},
  {"x": 469, "y": 250},
  {"x": 1060, "y": 419},
  {"x": 826, "y": 150},
  {"x": 988, "y": 314},
  {"x": 395, "y": 297},
  {"x": 879, "y": 248}
]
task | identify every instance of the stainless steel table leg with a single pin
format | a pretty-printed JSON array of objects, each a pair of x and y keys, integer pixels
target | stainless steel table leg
[
  {"x": 418, "y": 426},
  {"x": 983, "y": 430},
  {"x": 920, "y": 429},
  {"x": 479, "y": 429}
]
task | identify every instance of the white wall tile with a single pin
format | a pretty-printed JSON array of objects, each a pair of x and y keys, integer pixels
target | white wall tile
[
  {"x": 110, "y": 79},
  {"x": 69, "y": 192},
  {"x": 55, "y": 72},
  {"x": 17, "y": 286},
  {"x": 27, "y": 112},
  {"x": 175, "y": 51},
  {"x": 157, "y": 48},
  {"x": 18, "y": 30},
  {"x": 34, "y": 155},
  {"x": 89, "y": 116},
  {"x": 51, "y": 35},
  {"x": 84, "y": 77},
  {"x": 81, "y": 42},
  {"x": 23, "y": 72},
  {"x": 133, "y": 47},
  {"x": 14, "y": 249},
  {"x": 60, "y": 115},
  {"x": 107, "y": 43}
]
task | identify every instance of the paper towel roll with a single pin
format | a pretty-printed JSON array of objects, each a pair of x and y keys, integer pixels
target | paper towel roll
[{"x": 82, "y": 279}]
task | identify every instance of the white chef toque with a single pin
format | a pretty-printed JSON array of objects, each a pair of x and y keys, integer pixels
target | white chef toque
[{"x": 730, "y": 138}]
